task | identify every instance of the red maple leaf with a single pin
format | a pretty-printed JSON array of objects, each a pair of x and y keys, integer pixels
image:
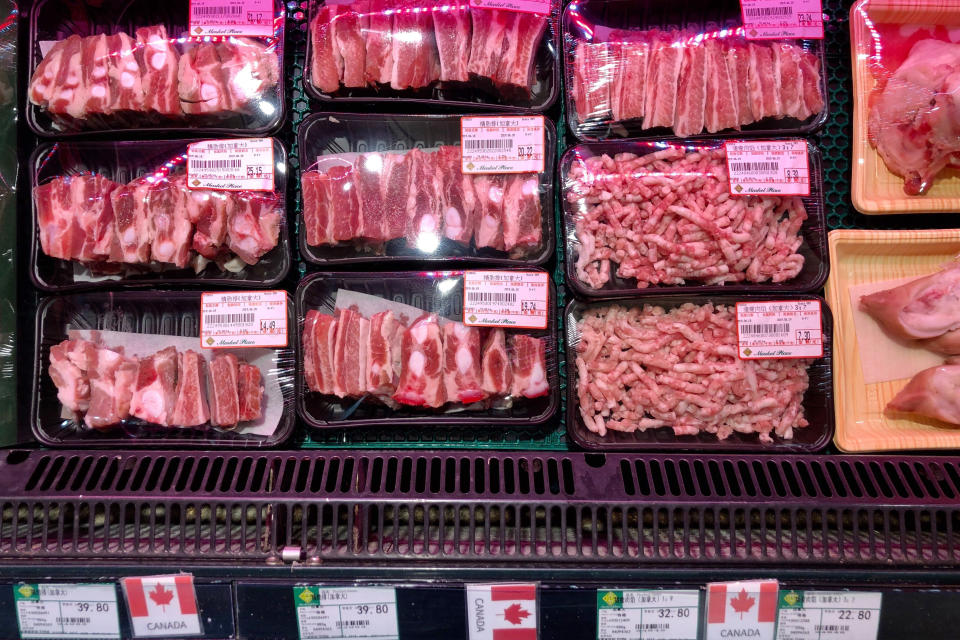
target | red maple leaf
[
  {"x": 514, "y": 614},
  {"x": 742, "y": 603},
  {"x": 161, "y": 596}
]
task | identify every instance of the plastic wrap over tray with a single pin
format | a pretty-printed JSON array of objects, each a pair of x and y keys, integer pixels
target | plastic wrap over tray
[
  {"x": 815, "y": 405},
  {"x": 657, "y": 69},
  {"x": 649, "y": 218},
  {"x": 122, "y": 214},
  {"x": 117, "y": 66},
  {"x": 429, "y": 51},
  {"x": 433, "y": 370},
  {"x": 390, "y": 188},
  {"x": 153, "y": 338}
]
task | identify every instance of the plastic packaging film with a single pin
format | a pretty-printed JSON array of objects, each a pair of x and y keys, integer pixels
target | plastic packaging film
[
  {"x": 392, "y": 348},
  {"x": 114, "y": 66},
  {"x": 431, "y": 51},
  {"x": 8, "y": 222},
  {"x": 124, "y": 213},
  {"x": 648, "y": 218},
  {"x": 391, "y": 187},
  {"x": 690, "y": 391},
  {"x": 128, "y": 369},
  {"x": 654, "y": 71}
]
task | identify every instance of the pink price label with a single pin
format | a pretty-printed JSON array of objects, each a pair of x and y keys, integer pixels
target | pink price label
[
  {"x": 768, "y": 167},
  {"x": 244, "y": 164},
  {"x": 231, "y": 18},
  {"x": 502, "y": 144},
  {"x": 541, "y": 7},
  {"x": 512, "y": 299},
  {"x": 780, "y": 330},
  {"x": 777, "y": 19},
  {"x": 243, "y": 319}
]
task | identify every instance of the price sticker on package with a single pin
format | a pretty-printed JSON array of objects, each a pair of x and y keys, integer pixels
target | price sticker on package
[
  {"x": 231, "y": 165},
  {"x": 768, "y": 167},
  {"x": 541, "y": 7},
  {"x": 648, "y": 614},
  {"x": 828, "y": 615},
  {"x": 781, "y": 329},
  {"x": 231, "y": 18},
  {"x": 243, "y": 319},
  {"x": 346, "y": 612},
  {"x": 503, "y": 144},
  {"x": 777, "y": 19},
  {"x": 61, "y": 611},
  {"x": 514, "y": 299}
]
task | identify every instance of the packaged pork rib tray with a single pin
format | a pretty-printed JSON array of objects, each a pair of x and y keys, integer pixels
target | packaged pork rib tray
[
  {"x": 655, "y": 69},
  {"x": 123, "y": 214},
  {"x": 681, "y": 403},
  {"x": 413, "y": 202},
  {"x": 653, "y": 218},
  {"x": 127, "y": 369},
  {"x": 434, "y": 52},
  {"x": 390, "y": 349},
  {"x": 134, "y": 65}
]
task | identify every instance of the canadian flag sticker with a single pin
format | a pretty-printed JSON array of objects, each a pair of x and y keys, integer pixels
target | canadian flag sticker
[
  {"x": 502, "y": 611},
  {"x": 742, "y": 610},
  {"x": 162, "y": 606}
]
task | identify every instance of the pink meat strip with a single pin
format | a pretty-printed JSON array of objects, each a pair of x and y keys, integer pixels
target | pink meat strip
[
  {"x": 317, "y": 208},
  {"x": 529, "y": 366},
  {"x": 495, "y": 364},
  {"x": 421, "y": 377},
  {"x": 462, "y": 375},
  {"x": 691, "y": 91},
  {"x": 250, "y": 392},
  {"x": 326, "y": 62},
  {"x": 224, "y": 383},
  {"x": 722, "y": 101},
  {"x": 190, "y": 408},
  {"x": 644, "y": 367},
  {"x": 451, "y": 24},
  {"x": 667, "y": 218}
]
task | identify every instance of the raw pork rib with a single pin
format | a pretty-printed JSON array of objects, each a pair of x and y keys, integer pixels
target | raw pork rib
[
  {"x": 112, "y": 378},
  {"x": 934, "y": 393},
  {"x": 224, "y": 401},
  {"x": 160, "y": 63},
  {"x": 69, "y": 374},
  {"x": 497, "y": 371},
  {"x": 529, "y": 366},
  {"x": 386, "y": 334},
  {"x": 75, "y": 217},
  {"x": 190, "y": 408},
  {"x": 250, "y": 392},
  {"x": 461, "y": 363},
  {"x": 319, "y": 340},
  {"x": 155, "y": 393},
  {"x": 645, "y": 367},
  {"x": 421, "y": 375},
  {"x": 667, "y": 218},
  {"x": 914, "y": 120},
  {"x": 927, "y": 307},
  {"x": 350, "y": 353}
]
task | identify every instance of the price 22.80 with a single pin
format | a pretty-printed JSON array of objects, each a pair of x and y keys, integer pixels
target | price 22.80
[{"x": 861, "y": 614}]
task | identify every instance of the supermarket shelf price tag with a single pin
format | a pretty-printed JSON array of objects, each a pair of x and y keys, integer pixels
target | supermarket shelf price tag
[
  {"x": 162, "y": 606},
  {"x": 503, "y": 144},
  {"x": 828, "y": 615},
  {"x": 231, "y": 165},
  {"x": 768, "y": 167},
  {"x": 514, "y": 299},
  {"x": 779, "y": 329},
  {"x": 502, "y": 611},
  {"x": 231, "y": 18},
  {"x": 777, "y": 19},
  {"x": 346, "y": 612},
  {"x": 61, "y": 611},
  {"x": 745, "y": 609},
  {"x": 648, "y": 614},
  {"x": 243, "y": 319},
  {"x": 541, "y": 7}
]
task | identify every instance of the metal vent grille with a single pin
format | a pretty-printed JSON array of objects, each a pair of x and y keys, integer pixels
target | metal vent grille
[{"x": 477, "y": 508}]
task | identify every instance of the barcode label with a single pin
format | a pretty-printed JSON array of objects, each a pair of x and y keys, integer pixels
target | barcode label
[
  {"x": 832, "y": 628},
  {"x": 829, "y": 615},
  {"x": 654, "y": 627},
  {"x": 514, "y": 299},
  {"x": 243, "y": 319},
  {"x": 217, "y": 11},
  {"x": 488, "y": 144},
  {"x": 648, "y": 614},
  {"x": 73, "y": 621},
  {"x": 502, "y": 144},
  {"x": 245, "y": 164},
  {"x": 768, "y": 12},
  {"x": 768, "y": 328},
  {"x": 346, "y": 612},
  {"x": 58, "y": 611},
  {"x": 768, "y": 167},
  {"x": 232, "y": 18}
]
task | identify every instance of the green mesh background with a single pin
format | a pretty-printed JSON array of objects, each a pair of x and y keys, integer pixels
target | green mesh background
[{"x": 834, "y": 141}]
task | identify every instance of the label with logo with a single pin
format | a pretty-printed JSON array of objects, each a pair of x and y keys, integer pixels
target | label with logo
[
  {"x": 514, "y": 299},
  {"x": 829, "y": 615},
  {"x": 523, "y": 6},
  {"x": 240, "y": 319},
  {"x": 502, "y": 611},
  {"x": 59, "y": 611},
  {"x": 648, "y": 614},
  {"x": 775, "y": 19},
  {"x": 231, "y": 18},
  {"x": 346, "y": 612},
  {"x": 741, "y": 610},
  {"x": 780, "y": 329},
  {"x": 162, "y": 606},
  {"x": 231, "y": 165},
  {"x": 503, "y": 144},
  {"x": 768, "y": 167}
]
